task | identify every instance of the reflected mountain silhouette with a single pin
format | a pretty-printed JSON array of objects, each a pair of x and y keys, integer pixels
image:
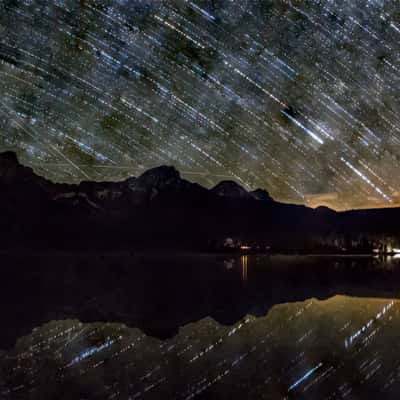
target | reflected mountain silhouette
[
  {"x": 159, "y": 294},
  {"x": 343, "y": 347}
]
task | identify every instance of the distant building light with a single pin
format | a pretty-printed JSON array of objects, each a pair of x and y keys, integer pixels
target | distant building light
[{"x": 245, "y": 247}]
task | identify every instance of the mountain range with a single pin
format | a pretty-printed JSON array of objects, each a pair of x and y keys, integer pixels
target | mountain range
[{"x": 161, "y": 210}]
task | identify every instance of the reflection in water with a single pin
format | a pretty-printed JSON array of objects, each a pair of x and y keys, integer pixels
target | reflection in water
[
  {"x": 190, "y": 326},
  {"x": 343, "y": 347},
  {"x": 161, "y": 293},
  {"x": 243, "y": 265}
]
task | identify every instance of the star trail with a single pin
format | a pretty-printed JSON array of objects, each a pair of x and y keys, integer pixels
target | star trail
[
  {"x": 275, "y": 356},
  {"x": 298, "y": 97}
]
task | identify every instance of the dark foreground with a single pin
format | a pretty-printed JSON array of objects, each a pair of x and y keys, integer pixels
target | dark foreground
[{"x": 198, "y": 326}]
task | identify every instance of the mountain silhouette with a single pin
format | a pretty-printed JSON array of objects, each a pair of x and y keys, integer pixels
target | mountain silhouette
[
  {"x": 231, "y": 189},
  {"x": 159, "y": 209}
]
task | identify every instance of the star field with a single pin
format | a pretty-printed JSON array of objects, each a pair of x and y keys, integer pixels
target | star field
[{"x": 298, "y": 97}]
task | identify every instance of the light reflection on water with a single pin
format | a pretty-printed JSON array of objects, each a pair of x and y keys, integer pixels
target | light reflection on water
[
  {"x": 244, "y": 266},
  {"x": 229, "y": 338},
  {"x": 342, "y": 347}
]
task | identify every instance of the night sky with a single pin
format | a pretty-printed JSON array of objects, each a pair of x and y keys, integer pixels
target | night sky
[{"x": 298, "y": 97}]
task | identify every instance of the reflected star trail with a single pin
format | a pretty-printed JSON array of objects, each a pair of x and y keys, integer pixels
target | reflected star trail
[
  {"x": 298, "y": 97},
  {"x": 297, "y": 351}
]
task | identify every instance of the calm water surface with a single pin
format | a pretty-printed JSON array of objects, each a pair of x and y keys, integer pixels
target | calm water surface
[{"x": 207, "y": 327}]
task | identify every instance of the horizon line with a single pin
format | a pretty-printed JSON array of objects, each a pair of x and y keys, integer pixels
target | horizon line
[{"x": 181, "y": 172}]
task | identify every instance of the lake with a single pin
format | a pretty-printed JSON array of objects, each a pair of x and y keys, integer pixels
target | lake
[{"x": 123, "y": 326}]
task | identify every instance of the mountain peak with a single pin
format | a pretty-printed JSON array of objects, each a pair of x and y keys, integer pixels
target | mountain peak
[
  {"x": 230, "y": 189},
  {"x": 8, "y": 157},
  {"x": 162, "y": 175},
  {"x": 262, "y": 195},
  {"x": 159, "y": 179},
  {"x": 11, "y": 168},
  {"x": 149, "y": 183},
  {"x": 324, "y": 209}
]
